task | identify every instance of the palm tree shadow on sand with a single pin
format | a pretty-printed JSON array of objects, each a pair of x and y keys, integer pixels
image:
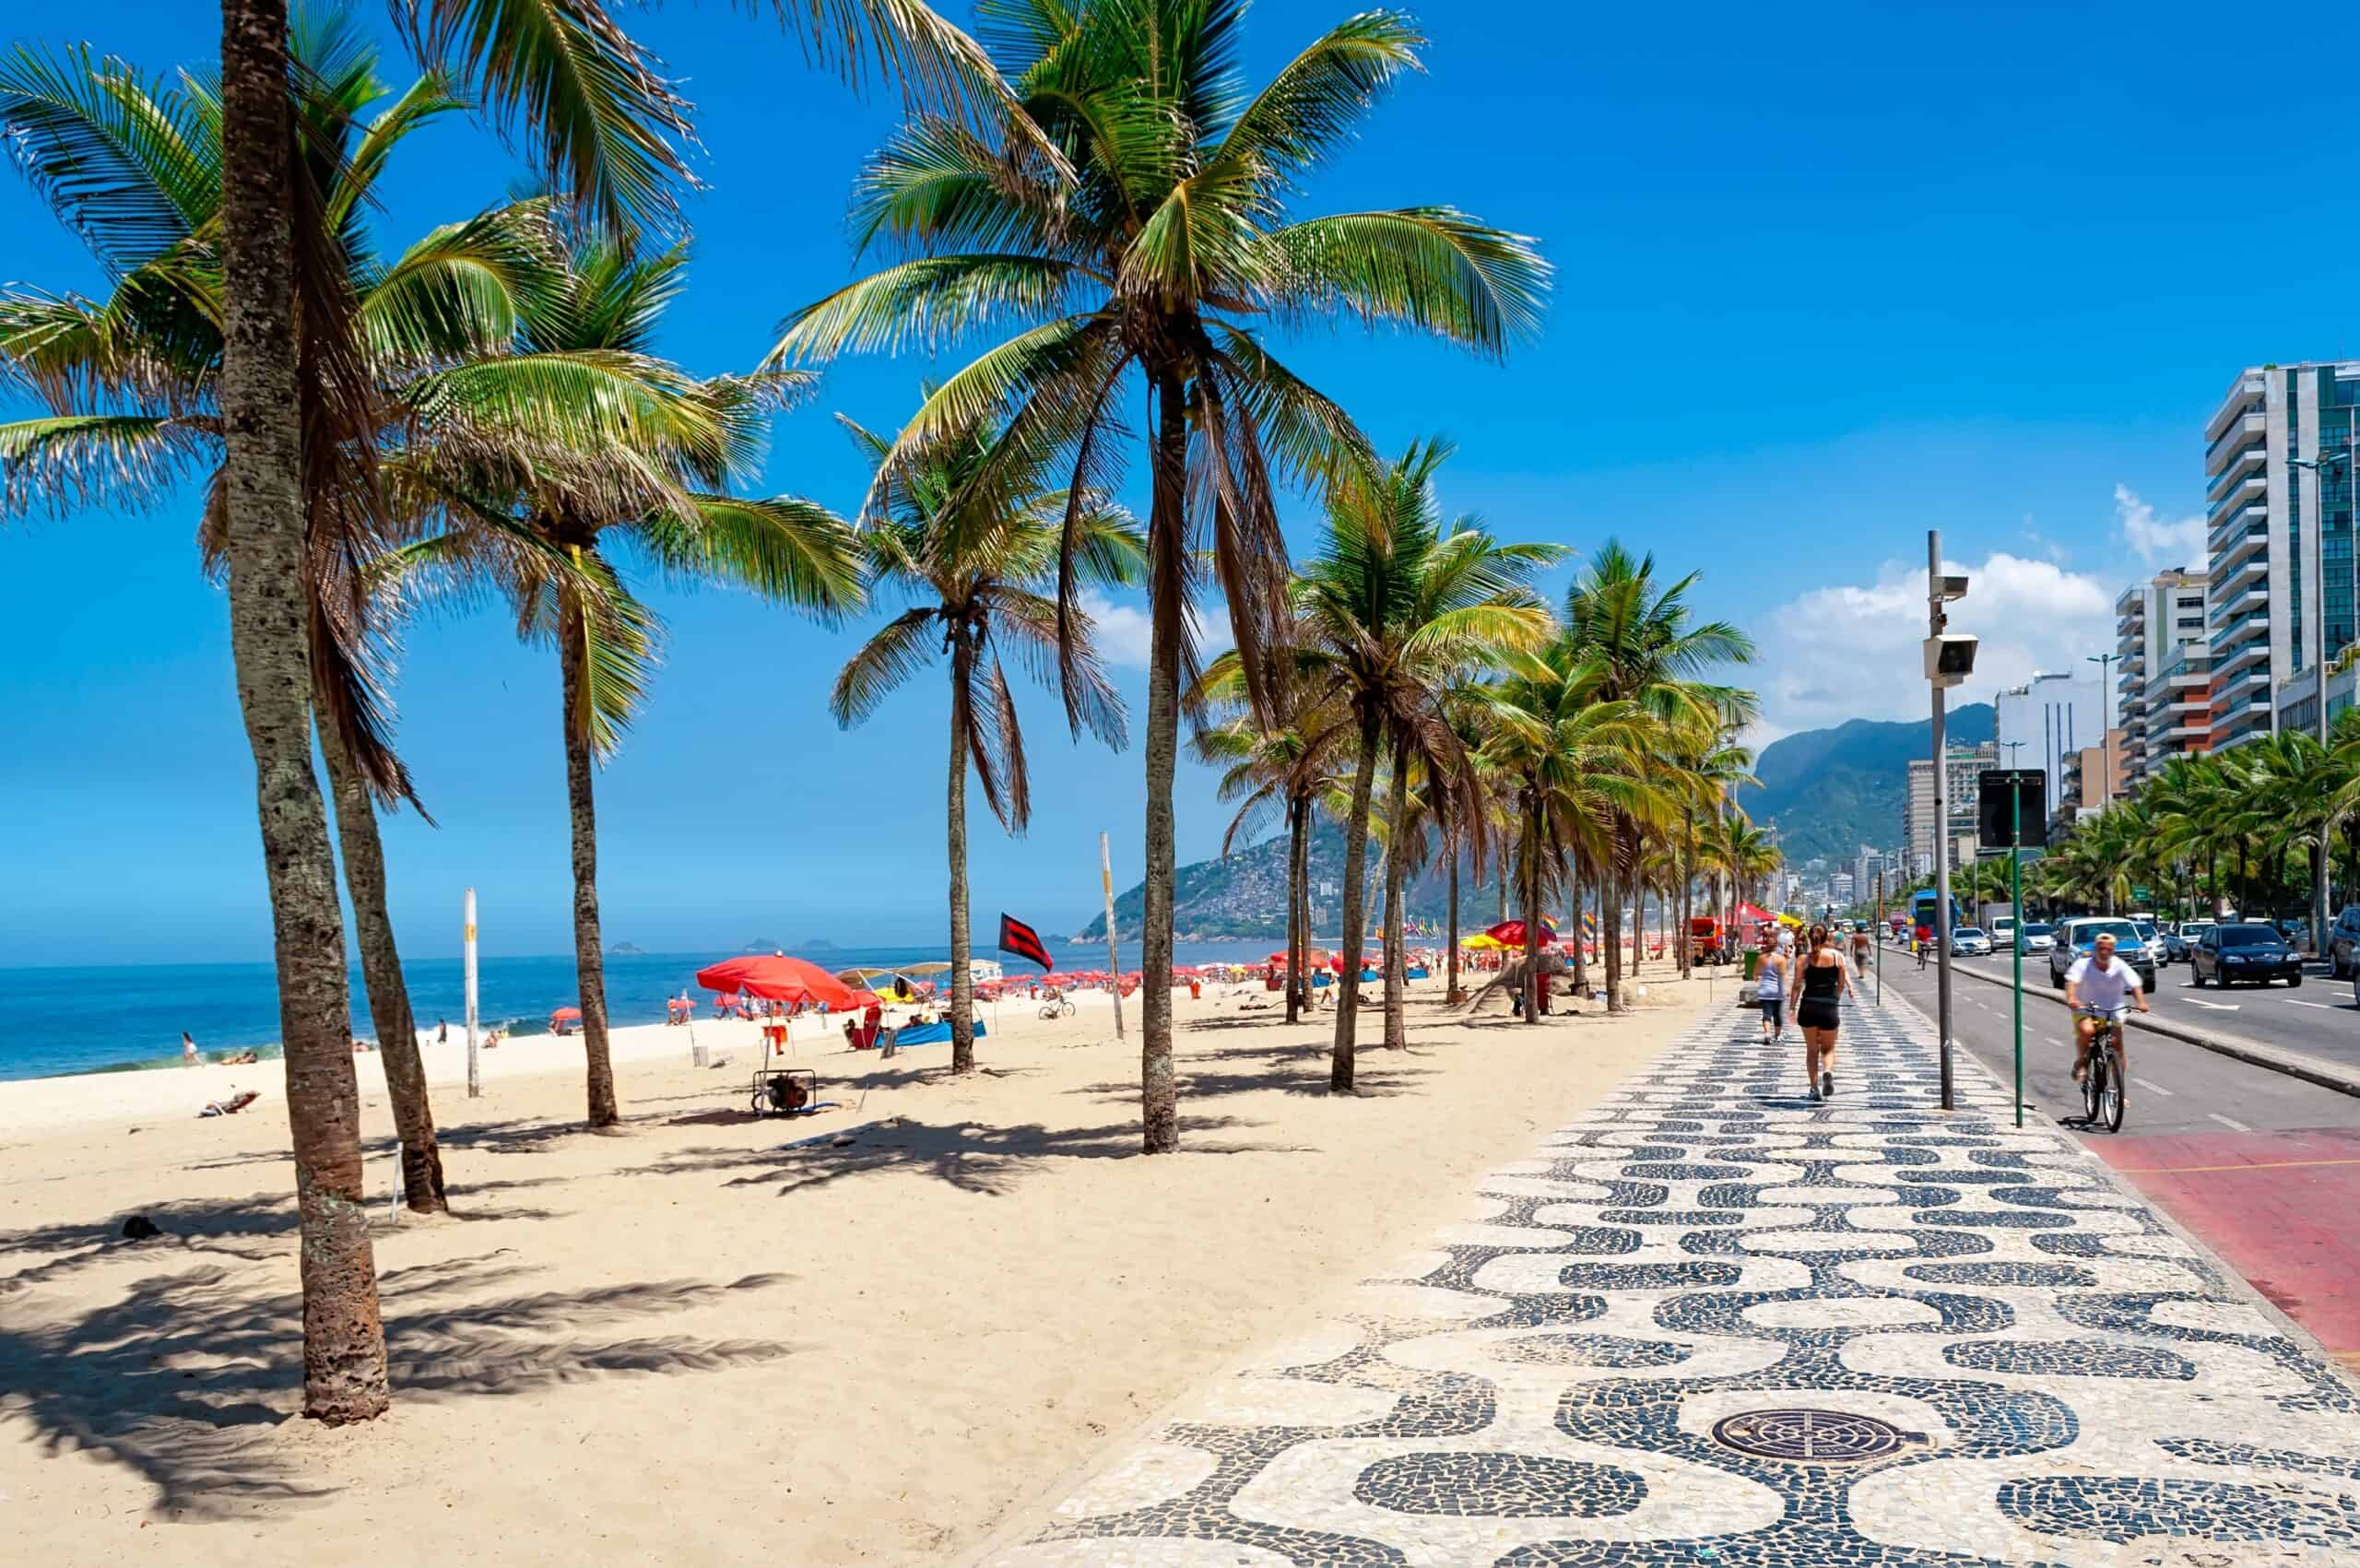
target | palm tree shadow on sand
[{"x": 185, "y": 1376}]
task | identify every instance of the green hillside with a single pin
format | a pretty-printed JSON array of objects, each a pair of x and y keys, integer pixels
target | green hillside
[{"x": 1830, "y": 791}]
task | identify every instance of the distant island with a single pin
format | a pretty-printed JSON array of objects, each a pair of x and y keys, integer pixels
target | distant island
[
  {"x": 626, "y": 949},
  {"x": 760, "y": 945},
  {"x": 819, "y": 945}
]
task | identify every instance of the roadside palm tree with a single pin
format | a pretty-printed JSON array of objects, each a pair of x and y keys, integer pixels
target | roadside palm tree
[
  {"x": 133, "y": 382},
  {"x": 548, "y": 460},
  {"x": 1395, "y": 608},
  {"x": 979, "y": 563},
  {"x": 1638, "y": 636},
  {"x": 1154, "y": 242}
]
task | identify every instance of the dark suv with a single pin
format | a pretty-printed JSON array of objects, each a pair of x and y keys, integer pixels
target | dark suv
[
  {"x": 2343, "y": 944},
  {"x": 2254, "y": 952},
  {"x": 2078, "y": 939}
]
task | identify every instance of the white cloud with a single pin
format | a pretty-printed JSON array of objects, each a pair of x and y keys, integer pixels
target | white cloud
[
  {"x": 1125, "y": 631},
  {"x": 1850, "y": 650},
  {"x": 2178, "y": 541}
]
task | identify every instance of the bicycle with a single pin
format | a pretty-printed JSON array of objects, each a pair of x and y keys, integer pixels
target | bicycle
[
  {"x": 1056, "y": 1006},
  {"x": 2101, "y": 1084}
]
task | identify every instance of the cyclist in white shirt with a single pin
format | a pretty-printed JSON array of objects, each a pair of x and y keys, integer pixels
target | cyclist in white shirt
[{"x": 2096, "y": 989}]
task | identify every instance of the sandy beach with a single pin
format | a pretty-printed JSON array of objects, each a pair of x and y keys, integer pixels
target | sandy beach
[{"x": 861, "y": 1337}]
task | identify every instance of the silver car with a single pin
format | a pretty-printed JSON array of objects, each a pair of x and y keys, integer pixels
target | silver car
[
  {"x": 2159, "y": 951},
  {"x": 2035, "y": 935},
  {"x": 1970, "y": 941}
]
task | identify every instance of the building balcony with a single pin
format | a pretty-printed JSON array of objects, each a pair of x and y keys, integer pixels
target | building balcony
[
  {"x": 2242, "y": 461},
  {"x": 2253, "y": 488},
  {"x": 2234, "y": 583},
  {"x": 2239, "y": 548},
  {"x": 2222, "y": 532},
  {"x": 2248, "y": 391}
]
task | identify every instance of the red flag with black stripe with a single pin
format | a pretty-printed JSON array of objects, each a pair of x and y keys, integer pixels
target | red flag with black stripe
[{"x": 1017, "y": 937}]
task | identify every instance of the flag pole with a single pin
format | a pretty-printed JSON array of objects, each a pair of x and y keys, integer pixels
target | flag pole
[
  {"x": 1113, "y": 951},
  {"x": 467, "y": 947}
]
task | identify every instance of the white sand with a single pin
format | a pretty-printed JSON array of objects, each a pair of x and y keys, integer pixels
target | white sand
[{"x": 686, "y": 1344}]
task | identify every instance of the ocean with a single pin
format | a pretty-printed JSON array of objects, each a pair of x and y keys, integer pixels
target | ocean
[{"x": 118, "y": 1018}]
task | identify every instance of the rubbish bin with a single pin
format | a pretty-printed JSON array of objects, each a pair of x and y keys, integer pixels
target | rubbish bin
[{"x": 1752, "y": 961}]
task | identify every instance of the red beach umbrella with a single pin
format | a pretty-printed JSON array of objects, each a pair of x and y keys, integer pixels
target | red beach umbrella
[
  {"x": 561, "y": 1014},
  {"x": 777, "y": 978},
  {"x": 1511, "y": 933}
]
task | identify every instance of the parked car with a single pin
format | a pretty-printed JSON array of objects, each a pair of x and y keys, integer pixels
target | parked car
[
  {"x": 2075, "y": 940},
  {"x": 2343, "y": 943},
  {"x": 2037, "y": 935},
  {"x": 2246, "y": 951},
  {"x": 2003, "y": 930},
  {"x": 2153, "y": 940},
  {"x": 2192, "y": 932},
  {"x": 1969, "y": 941},
  {"x": 2175, "y": 946}
]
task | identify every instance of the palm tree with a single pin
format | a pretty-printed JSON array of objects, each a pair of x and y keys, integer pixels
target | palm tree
[
  {"x": 1153, "y": 241},
  {"x": 1636, "y": 634},
  {"x": 609, "y": 127},
  {"x": 579, "y": 441},
  {"x": 1396, "y": 606},
  {"x": 1577, "y": 765},
  {"x": 133, "y": 384},
  {"x": 1275, "y": 764},
  {"x": 977, "y": 560}
]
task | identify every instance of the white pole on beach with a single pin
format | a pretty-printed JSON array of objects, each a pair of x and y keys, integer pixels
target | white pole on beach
[
  {"x": 468, "y": 943},
  {"x": 1114, "y": 952}
]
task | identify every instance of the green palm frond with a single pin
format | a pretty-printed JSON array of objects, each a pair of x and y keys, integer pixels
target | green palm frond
[
  {"x": 462, "y": 289},
  {"x": 899, "y": 649},
  {"x": 790, "y": 550},
  {"x": 1431, "y": 268},
  {"x": 121, "y": 160},
  {"x": 1321, "y": 96},
  {"x": 928, "y": 302},
  {"x": 131, "y": 462}
]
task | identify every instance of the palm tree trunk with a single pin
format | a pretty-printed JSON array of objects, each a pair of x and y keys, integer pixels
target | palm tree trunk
[
  {"x": 1574, "y": 920},
  {"x": 1530, "y": 850},
  {"x": 1504, "y": 888},
  {"x": 1167, "y": 543},
  {"x": 1397, "y": 858},
  {"x": 1610, "y": 905},
  {"x": 1687, "y": 892},
  {"x": 380, "y": 971},
  {"x": 1348, "y": 984},
  {"x": 589, "y": 956},
  {"x": 1450, "y": 986},
  {"x": 963, "y": 979},
  {"x": 344, "y": 1337},
  {"x": 1294, "y": 910}
]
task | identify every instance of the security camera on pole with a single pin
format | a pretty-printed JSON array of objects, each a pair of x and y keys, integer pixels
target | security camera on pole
[{"x": 1949, "y": 661}]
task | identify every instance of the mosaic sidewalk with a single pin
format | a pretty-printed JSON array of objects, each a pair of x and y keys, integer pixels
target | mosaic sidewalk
[{"x": 1715, "y": 1322}]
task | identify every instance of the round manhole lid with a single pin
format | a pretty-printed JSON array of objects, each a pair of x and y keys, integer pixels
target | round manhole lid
[{"x": 1813, "y": 1437}]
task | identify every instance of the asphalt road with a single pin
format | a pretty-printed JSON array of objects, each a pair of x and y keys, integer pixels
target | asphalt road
[
  {"x": 2175, "y": 1087},
  {"x": 2318, "y": 1017}
]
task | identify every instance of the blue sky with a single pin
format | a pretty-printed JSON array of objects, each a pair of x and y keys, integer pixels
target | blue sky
[{"x": 1827, "y": 275}]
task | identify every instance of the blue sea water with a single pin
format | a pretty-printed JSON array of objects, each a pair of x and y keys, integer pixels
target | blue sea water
[{"x": 114, "y": 1018}]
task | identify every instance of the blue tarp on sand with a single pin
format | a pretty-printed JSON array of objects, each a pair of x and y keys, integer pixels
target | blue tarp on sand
[{"x": 937, "y": 1033}]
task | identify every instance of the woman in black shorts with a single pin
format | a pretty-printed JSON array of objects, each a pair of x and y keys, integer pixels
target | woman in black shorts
[{"x": 1822, "y": 978}]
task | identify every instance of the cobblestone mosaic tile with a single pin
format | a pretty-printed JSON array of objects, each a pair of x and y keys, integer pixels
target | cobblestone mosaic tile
[{"x": 1716, "y": 1321}]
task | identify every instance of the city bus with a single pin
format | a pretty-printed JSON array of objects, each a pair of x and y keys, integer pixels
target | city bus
[{"x": 1921, "y": 913}]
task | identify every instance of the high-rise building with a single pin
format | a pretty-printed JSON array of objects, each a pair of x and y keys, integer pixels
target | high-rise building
[
  {"x": 1962, "y": 784},
  {"x": 2165, "y": 687},
  {"x": 2052, "y": 716},
  {"x": 2272, "y": 526}
]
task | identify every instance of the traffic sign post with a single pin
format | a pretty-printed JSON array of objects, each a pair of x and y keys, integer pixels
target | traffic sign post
[{"x": 2000, "y": 796}]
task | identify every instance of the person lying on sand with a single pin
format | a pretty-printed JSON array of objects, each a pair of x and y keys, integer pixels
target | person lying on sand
[
  {"x": 231, "y": 1106},
  {"x": 238, "y": 1058}
]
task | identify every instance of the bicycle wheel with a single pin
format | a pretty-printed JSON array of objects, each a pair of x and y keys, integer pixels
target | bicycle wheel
[
  {"x": 2110, "y": 1096},
  {"x": 2090, "y": 1076}
]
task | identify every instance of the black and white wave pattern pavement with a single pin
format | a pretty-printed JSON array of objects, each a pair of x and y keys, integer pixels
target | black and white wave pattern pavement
[{"x": 1715, "y": 1322}]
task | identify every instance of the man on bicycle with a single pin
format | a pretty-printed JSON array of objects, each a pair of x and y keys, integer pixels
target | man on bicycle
[{"x": 2096, "y": 989}]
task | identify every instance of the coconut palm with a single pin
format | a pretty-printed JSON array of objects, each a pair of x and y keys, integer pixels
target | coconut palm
[
  {"x": 133, "y": 382},
  {"x": 1397, "y": 605},
  {"x": 1638, "y": 636},
  {"x": 576, "y": 446},
  {"x": 1275, "y": 763},
  {"x": 1154, "y": 243},
  {"x": 609, "y": 127},
  {"x": 978, "y": 562}
]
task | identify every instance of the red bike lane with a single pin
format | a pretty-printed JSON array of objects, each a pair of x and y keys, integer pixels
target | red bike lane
[{"x": 2281, "y": 1208}]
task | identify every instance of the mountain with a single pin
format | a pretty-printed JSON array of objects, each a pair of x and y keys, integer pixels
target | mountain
[
  {"x": 1245, "y": 894},
  {"x": 1830, "y": 791}
]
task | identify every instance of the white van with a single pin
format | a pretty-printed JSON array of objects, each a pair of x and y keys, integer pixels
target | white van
[{"x": 2003, "y": 931}]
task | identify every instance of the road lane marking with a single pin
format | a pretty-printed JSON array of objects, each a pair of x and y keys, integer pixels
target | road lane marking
[
  {"x": 2228, "y": 1122},
  {"x": 2153, "y": 1087},
  {"x": 2215, "y": 1170},
  {"x": 2321, "y": 1005},
  {"x": 2216, "y": 1007}
]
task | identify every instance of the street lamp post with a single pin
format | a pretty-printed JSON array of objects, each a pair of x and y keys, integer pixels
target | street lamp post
[
  {"x": 2106, "y": 724},
  {"x": 2350, "y": 458},
  {"x": 1950, "y": 659}
]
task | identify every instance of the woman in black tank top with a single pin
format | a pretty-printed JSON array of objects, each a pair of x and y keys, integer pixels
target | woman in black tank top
[{"x": 1825, "y": 979}]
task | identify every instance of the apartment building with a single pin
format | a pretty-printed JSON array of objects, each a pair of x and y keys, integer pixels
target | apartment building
[{"x": 2163, "y": 688}]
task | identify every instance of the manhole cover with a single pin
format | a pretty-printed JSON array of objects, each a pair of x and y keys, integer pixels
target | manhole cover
[{"x": 1817, "y": 1437}]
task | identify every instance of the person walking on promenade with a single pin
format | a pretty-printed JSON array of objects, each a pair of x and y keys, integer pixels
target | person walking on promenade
[
  {"x": 1823, "y": 979},
  {"x": 1860, "y": 952},
  {"x": 1770, "y": 990}
]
